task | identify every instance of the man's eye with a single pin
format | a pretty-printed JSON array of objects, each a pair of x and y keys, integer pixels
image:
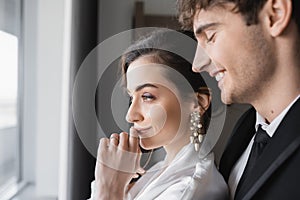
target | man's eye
[{"x": 210, "y": 38}]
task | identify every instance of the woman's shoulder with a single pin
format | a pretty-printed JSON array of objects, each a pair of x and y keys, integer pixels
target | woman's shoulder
[
  {"x": 207, "y": 180},
  {"x": 205, "y": 166}
]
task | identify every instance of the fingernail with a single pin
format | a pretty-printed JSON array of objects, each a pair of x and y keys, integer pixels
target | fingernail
[
  {"x": 141, "y": 171},
  {"x": 135, "y": 176}
]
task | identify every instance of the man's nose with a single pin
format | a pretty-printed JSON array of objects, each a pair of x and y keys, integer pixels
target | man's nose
[{"x": 201, "y": 61}]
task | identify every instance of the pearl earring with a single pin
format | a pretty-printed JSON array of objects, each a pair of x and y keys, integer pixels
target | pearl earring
[{"x": 197, "y": 133}]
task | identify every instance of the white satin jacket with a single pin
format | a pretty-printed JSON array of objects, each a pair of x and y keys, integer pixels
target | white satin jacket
[{"x": 187, "y": 178}]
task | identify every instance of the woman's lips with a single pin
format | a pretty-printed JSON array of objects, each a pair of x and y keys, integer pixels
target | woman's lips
[{"x": 144, "y": 132}]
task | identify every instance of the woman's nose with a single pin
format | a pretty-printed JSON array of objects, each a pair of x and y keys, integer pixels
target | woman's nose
[
  {"x": 134, "y": 114},
  {"x": 201, "y": 61}
]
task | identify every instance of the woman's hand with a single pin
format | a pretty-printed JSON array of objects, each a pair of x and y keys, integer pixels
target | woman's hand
[{"x": 118, "y": 161}]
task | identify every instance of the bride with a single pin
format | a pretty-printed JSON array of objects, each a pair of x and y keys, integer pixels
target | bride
[{"x": 170, "y": 107}]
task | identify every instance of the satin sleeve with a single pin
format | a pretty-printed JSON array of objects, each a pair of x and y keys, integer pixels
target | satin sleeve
[
  {"x": 93, "y": 192},
  {"x": 206, "y": 183}
]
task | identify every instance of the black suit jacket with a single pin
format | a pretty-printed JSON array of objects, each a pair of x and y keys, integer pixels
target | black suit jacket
[{"x": 276, "y": 174}]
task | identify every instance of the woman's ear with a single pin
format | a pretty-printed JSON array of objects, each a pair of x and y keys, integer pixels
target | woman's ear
[
  {"x": 203, "y": 102},
  {"x": 277, "y": 15}
]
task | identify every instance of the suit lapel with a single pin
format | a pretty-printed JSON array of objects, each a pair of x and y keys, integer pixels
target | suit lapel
[
  {"x": 284, "y": 142},
  {"x": 242, "y": 134}
]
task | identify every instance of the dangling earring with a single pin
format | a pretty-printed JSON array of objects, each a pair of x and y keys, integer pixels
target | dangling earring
[{"x": 197, "y": 133}]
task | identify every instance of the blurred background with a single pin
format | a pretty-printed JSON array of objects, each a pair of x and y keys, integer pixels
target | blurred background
[{"x": 42, "y": 46}]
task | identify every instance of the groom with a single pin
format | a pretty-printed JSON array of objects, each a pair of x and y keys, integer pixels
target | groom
[{"x": 253, "y": 51}]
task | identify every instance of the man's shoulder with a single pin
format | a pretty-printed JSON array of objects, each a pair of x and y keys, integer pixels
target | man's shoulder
[{"x": 247, "y": 119}]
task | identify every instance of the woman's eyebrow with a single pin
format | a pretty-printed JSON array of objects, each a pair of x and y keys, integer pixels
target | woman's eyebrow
[{"x": 140, "y": 87}]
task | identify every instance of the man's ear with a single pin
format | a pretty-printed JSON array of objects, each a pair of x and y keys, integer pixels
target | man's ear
[
  {"x": 277, "y": 15},
  {"x": 203, "y": 102}
]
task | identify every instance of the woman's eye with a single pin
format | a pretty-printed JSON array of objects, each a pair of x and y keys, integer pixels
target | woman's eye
[{"x": 148, "y": 97}]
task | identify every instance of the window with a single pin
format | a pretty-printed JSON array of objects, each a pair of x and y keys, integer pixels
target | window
[
  {"x": 10, "y": 13},
  {"x": 8, "y": 105}
]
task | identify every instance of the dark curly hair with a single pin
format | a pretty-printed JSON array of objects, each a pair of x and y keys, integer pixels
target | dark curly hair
[{"x": 249, "y": 9}]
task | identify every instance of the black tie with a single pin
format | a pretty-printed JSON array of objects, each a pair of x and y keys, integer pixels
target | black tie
[{"x": 260, "y": 141}]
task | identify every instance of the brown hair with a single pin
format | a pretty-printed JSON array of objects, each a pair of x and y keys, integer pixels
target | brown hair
[
  {"x": 249, "y": 9},
  {"x": 154, "y": 45}
]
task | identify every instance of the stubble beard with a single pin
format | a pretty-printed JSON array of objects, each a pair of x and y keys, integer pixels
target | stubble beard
[{"x": 254, "y": 72}]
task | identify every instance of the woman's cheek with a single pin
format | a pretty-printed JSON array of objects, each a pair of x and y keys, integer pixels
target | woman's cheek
[{"x": 158, "y": 116}]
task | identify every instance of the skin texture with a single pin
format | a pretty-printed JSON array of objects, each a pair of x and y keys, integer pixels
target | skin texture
[
  {"x": 111, "y": 177},
  {"x": 242, "y": 69},
  {"x": 256, "y": 64},
  {"x": 160, "y": 119},
  {"x": 253, "y": 64},
  {"x": 155, "y": 106}
]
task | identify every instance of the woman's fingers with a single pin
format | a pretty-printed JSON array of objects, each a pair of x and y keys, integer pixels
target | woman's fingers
[
  {"x": 133, "y": 140},
  {"x": 114, "y": 139},
  {"x": 103, "y": 145},
  {"x": 122, "y": 141},
  {"x": 121, "y": 152},
  {"x": 102, "y": 151}
]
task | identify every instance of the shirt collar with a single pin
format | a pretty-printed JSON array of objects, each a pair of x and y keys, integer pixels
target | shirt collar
[{"x": 271, "y": 128}]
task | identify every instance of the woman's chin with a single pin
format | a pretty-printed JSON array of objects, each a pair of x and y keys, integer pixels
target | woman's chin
[{"x": 147, "y": 145}]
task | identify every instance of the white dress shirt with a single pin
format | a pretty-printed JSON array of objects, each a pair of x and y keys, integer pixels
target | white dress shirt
[{"x": 240, "y": 165}]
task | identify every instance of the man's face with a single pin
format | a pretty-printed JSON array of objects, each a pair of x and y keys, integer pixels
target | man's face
[{"x": 240, "y": 57}]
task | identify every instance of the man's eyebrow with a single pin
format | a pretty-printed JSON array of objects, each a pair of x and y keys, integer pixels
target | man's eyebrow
[
  {"x": 140, "y": 87},
  {"x": 201, "y": 28}
]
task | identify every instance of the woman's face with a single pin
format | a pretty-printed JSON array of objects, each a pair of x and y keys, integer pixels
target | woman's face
[{"x": 156, "y": 110}]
